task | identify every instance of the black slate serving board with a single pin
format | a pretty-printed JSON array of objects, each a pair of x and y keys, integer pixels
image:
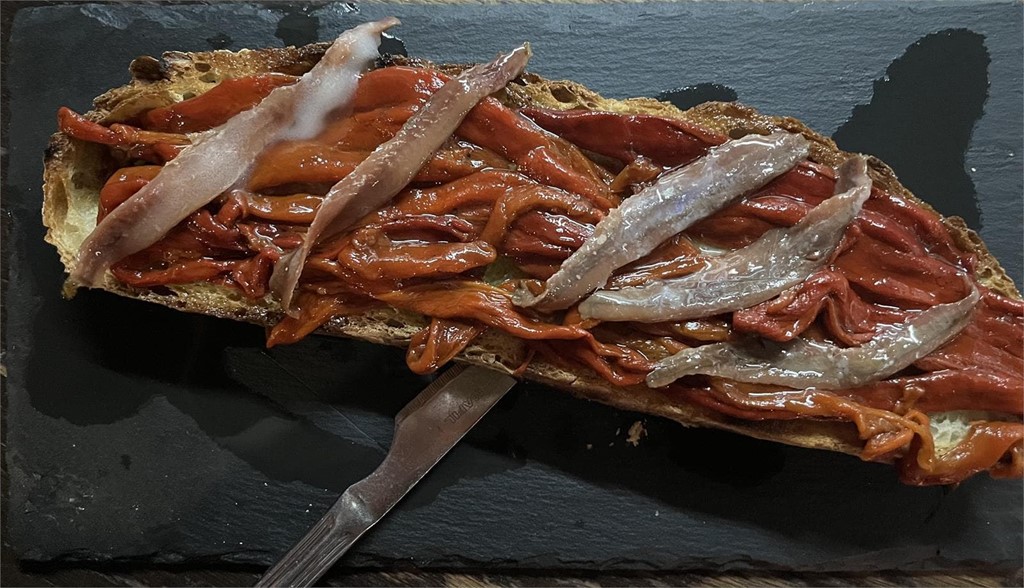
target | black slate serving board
[{"x": 137, "y": 433}]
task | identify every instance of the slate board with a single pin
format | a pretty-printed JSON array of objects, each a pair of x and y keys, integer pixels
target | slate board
[{"x": 137, "y": 433}]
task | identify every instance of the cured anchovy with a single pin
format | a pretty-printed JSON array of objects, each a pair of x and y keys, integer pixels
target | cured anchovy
[
  {"x": 780, "y": 259},
  {"x": 394, "y": 163},
  {"x": 804, "y": 364},
  {"x": 217, "y": 160},
  {"x": 673, "y": 203}
]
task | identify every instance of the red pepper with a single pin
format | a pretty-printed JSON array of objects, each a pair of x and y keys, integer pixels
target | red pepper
[{"x": 215, "y": 106}]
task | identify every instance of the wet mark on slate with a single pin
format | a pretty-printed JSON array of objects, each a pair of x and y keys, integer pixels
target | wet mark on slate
[
  {"x": 126, "y": 461},
  {"x": 348, "y": 395},
  {"x": 97, "y": 331},
  {"x": 390, "y": 45},
  {"x": 691, "y": 96},
  {"x": 921, "y": 117},
  {"x": 287, "y": 449},
  {"x": 219, "y": 41},
  {"x": 174, "y": 355},
  {"x": 298, "y": 27}
]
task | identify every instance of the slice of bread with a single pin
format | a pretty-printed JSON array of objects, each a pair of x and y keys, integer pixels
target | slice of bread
[{"x": 75, "y": 172}]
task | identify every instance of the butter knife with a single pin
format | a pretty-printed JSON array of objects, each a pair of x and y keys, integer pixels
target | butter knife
[{"x": 429, "y": 426}]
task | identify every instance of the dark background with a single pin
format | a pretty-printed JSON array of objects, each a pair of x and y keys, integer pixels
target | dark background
[{"x": 134, "y": 433}]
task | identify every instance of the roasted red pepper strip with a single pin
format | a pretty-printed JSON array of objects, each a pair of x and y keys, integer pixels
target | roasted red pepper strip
[
  {"x": 186, "y": 271},
  {"x": 315, "y": 311},
  {"x": 617, "y": 364},
  {"x": 625, "y": 137},
  {"x": 139, "y": 144},
  {"x": 438, "y": 343},
  {"x": 483, "y": 188},
  {"x": 252, "y": 274},
  {"x": 75, "y": 125},
  {"x": 373, "y": 256},
  {"x": 215, "y": 106},
  {"x": 516, "y": 202},
  {"x": 827, "y": 294},
  {"x": 123, "y": 184},
  {"x": 294, "y": 209},
  {"x": 544, "y": 234},
  {"x": 544, "y": 157},
  {"x": 315, "y": 163},
  {"x": 479, "y": 302},
  {"x": 993, "y": 446},
  {"x": 291, "y": 162}
]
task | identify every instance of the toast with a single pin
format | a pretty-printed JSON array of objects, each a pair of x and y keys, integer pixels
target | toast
[{"x": 75, "y": 171}]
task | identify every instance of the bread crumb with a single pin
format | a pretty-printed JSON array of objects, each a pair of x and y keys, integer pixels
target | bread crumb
[{"x": 636, "y": 431}]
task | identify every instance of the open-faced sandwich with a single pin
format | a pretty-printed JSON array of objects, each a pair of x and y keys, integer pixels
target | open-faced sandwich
[{"x": 715, "y": 266}]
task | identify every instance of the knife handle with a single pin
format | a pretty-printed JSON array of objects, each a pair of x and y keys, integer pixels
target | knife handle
[
  {"x": 424, "y": 432},
  {"x": 325, "y": 542}
]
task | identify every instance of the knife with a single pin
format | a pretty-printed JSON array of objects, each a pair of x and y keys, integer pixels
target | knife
[{"x": 429, "y": 426}]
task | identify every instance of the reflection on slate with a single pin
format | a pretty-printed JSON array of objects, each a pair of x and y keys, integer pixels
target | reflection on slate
[
  {"x": 921, "y": 117},
  {"x": 297, "y": 27},
  {"x": 137, "y": 432}
]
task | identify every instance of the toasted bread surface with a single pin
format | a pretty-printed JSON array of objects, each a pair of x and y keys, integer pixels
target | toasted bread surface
[{"x": 75, "y": 172}]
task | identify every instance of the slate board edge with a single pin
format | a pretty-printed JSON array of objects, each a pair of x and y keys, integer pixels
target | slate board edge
[
  {"x": 262, "y": 559},
  {"x": 229, "y": 556}
]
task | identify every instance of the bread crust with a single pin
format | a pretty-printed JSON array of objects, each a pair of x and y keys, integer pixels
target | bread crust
[{"x": 75, "y": 171}]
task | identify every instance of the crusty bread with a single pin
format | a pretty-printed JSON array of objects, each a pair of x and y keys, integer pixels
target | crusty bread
[{"x": 76, "y": 170}]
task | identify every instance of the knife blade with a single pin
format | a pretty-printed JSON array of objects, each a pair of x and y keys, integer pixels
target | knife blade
[{"x": 425, "y": 430}]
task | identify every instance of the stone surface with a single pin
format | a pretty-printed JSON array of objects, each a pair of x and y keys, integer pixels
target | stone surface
[{"x": 135, "y": 432}]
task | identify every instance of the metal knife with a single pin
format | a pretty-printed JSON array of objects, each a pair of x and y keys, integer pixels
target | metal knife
[{"x": 429, "y": 426}]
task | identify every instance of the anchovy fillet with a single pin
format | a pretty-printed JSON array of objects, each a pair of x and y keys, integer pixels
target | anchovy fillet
[
  {"x": 220, "y": 157},
  {"x": 394, "y": 163},
  {"x": 673, "y": 203},
  {"x": 214, "y": 163},
  {"x": 780, "y": 259},
  {"x": 804, "y": 364}
]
